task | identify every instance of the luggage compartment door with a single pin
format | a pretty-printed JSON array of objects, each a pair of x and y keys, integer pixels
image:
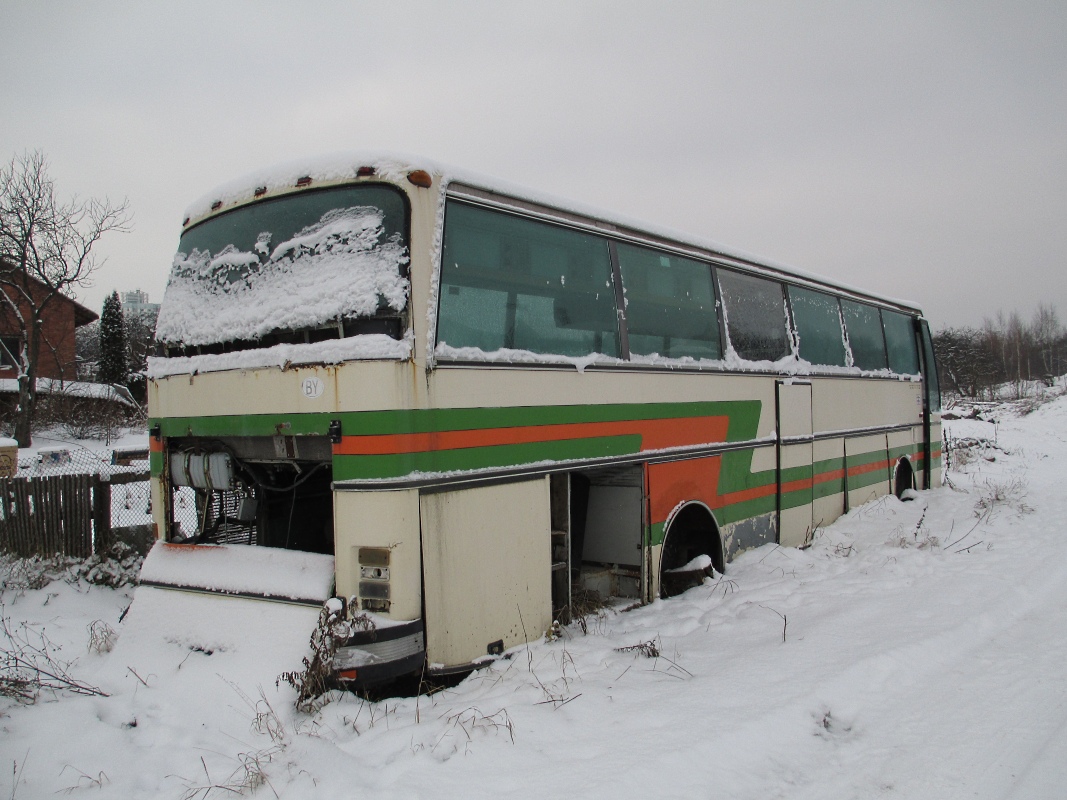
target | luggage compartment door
[
  {"x": 794, "y": 462},
  {"x": 487, "y": 570}
]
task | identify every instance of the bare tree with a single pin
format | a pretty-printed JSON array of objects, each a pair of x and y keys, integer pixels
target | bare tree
[
  {"x": 140, "y": 333},
  {"x": 46, "y": 250},
  {"x": 1046, "y": 332},
  {"x": 966, "y": 361}
]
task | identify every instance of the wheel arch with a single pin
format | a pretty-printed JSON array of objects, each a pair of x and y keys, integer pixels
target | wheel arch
[
  {"x": 903, "y": 475},
  {"x": 695, "y": 530}
]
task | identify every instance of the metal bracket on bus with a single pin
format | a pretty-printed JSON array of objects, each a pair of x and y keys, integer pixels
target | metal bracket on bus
[{"x": 334, "y": 431}]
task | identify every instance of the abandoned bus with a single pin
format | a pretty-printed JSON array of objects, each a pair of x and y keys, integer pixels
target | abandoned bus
[{"x": 470, "y": 400}]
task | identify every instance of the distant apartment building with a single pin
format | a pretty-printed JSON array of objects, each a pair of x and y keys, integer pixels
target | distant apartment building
[{"x": 136, "y": 302}]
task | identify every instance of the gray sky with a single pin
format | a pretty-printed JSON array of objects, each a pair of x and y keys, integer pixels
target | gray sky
[{"x": 915, "y": 149}]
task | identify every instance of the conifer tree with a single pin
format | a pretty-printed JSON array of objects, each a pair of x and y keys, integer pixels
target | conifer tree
[{"x": 114, "y": 366}]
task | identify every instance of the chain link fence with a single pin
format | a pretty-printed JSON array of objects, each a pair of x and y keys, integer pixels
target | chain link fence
[{"x": 99, "y": 499}]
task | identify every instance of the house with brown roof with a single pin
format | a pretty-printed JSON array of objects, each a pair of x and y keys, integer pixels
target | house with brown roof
[{"x": 60, "y": 318}]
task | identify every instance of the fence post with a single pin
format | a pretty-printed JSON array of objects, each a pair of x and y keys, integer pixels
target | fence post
[{"x": 101, "y": 514}]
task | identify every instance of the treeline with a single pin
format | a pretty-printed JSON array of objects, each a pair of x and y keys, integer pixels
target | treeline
[{"x": 1005, "y": 350}]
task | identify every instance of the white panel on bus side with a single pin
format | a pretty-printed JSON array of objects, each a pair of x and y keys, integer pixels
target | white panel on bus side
[
  {"x": 385, "y": 520},
  {"x": 794, "y": 413},
  {"x": 613, "y": 526},
  {"x": 829, "y": 490},
  {"x": 868, "y": 469},
  {"x": 487, "y": 569}
]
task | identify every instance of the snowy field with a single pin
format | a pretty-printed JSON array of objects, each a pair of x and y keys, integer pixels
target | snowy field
[{"x": 916, "y": 650}]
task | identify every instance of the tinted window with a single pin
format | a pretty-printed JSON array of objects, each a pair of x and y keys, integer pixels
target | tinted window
[
  {"x": 511, "y": 282},
  {"x": 284, "y": 217},
  {"x": 755, "y": 316},
  {"x": 818, "y": 323},
  {"x": 301, "y": 267},
  {"x": 900, "y": 342},
  {"x": 864, "y": 328},
  {"x": 670, "y": 304}
]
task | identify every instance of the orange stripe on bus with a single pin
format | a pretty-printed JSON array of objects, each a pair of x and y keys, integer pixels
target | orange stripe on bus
[
  {"x": 675, "y": 481},
  {"x": 656, "y": 434}
]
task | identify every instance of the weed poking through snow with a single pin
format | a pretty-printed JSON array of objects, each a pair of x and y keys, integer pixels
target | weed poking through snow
[
  {"x": 994, "y": 495},
  {"x": 30, "y": 664},
  {"x": 316, "y": 678}
]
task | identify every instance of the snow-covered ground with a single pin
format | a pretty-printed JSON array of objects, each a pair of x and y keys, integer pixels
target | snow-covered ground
[
  {"x": 81, "y": 451},
  {"x": 916, "y": 650}
]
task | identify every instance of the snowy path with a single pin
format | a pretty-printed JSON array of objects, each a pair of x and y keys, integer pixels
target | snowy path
[{"x": 918, "y": 661}]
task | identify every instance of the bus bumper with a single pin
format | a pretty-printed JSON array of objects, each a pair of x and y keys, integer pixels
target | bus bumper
[{"x": 380, "y": 655}]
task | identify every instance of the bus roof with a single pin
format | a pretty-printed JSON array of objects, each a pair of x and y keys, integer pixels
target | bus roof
[{"x": 342, "y": 167}]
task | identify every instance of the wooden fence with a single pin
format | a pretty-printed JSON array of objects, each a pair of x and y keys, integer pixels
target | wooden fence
[{"x": 65, "y": 514}]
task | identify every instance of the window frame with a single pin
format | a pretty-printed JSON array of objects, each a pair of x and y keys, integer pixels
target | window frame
[
  {"x": 910, "y": 319},
  {"x": 612, "y": 235},
  {"x": 787, "y": 322},
  {"x": 715, "y": 302},
  {"x": 542, "y": 357},
  {"x": 795, "y": 328}
]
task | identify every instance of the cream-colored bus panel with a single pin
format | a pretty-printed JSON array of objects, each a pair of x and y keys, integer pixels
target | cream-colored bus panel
[
  {"x": 909, "y": 439},
  {"x": 764, "y": 459},
  {"x": 867, "y": 465},
  {"x": 794, "y": 408},
  {"x": 155, "y": 486},
  {"x": 487, "y": 566},
  {"x": 425, "y": 249},
  {"x": 796, "y": 522},
  {"x": 371, "y": 385},
  {"x": 840, "y": 404},
  {"x": 794, "y": 417},
  {"x": 385, "y": 521},
  {"x": 829, "y": 456}
]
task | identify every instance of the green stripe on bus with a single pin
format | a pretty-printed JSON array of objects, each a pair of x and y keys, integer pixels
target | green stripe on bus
[
  {"x": 743, "y": 419},
  {"x": 735, "y": 512},
  {"x": 472, "y": 458}
]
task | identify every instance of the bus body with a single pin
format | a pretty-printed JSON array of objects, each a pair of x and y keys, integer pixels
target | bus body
[{"x": 477, "y": 401}]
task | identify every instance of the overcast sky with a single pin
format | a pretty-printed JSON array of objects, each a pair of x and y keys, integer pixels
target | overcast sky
[{"x": 915, "y": 149}]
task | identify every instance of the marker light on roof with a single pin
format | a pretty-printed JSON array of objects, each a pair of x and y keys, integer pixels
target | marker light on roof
[
  {"x": 185, "y": 222},
  {"x": 420, "y": 177},
  {"x": 366, "y": 172},
  {"x": 216, "y": 205},
  {"x": 260, "y": 191},
  {"x": 305, "y": 181}
]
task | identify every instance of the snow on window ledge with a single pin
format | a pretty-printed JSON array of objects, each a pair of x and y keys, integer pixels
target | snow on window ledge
[
  {"x": 445, "y": 352},
  {"x": 366, "y": 347},
  {"x": 788, "y": 365}
]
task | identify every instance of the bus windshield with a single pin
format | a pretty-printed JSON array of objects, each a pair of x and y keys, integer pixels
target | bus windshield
[{"x": 297, "y": 268}]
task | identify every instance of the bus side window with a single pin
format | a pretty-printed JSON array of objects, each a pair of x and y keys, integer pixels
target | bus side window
[
  {"x": 865, "y": 337},
  {"x": 933, "y": 389},
  {"x": 755, "y": 316},
  {"x": 515, "y": 283},
  {"x": 900, "y": 343},
  {"x": 817, "y": 318},
  {"x": 670, "y": 304}
]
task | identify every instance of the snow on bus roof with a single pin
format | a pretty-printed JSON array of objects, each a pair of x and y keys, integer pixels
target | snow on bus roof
[{"x": 339, "y": 167}]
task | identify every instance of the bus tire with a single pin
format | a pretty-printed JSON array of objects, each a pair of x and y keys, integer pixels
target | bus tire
[{"x": 691, "y": 532}]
